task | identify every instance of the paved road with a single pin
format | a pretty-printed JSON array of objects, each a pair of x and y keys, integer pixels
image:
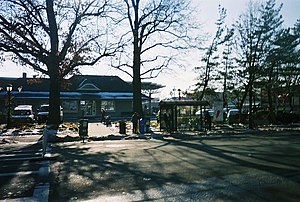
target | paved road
[
  {"x": 185, "y": 168},
  {"x": 23, "y": 170},
  {"x": 262, "y": 167}
]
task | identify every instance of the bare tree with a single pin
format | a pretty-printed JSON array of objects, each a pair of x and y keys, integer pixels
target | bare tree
[
  {"x": 157, "y": 27},
  {"x": 211, "y": 57},
  {"x": 55, "y": 38}
]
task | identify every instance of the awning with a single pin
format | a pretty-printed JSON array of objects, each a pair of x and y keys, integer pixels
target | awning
[{"x": 73, "y": 95}]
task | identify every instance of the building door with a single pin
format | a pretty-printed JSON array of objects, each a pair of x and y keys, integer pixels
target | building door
[
  {"x": 88, "y": 107},
  {"x": 91, "y": 108}
]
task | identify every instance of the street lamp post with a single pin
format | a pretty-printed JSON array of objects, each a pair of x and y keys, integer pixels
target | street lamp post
[
  {"x": 9, "y": 89},
  {"x": 179, "y": 95}
]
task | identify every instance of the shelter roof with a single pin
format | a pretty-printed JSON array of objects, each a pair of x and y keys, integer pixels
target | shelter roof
[{"x": 183, "y": 103}]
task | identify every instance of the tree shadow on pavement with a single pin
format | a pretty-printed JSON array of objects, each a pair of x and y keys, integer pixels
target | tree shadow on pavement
[
  {"x": 80, "y": 174},
  {"x": 268, "y": 155},
  {"x": 19, "y": 165}
]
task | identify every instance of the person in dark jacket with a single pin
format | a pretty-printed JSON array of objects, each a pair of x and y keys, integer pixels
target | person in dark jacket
[
  {"x": 102, "y": 116},
  {"x": 167, "y": 122},
  {"x": 135, "y": 121}
]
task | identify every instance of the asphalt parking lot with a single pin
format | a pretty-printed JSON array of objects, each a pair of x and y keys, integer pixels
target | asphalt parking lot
[
  {"x": 23, "y": 170},
  {"x": 193, "y": 168},
  {"x": 251, "y": 166}
]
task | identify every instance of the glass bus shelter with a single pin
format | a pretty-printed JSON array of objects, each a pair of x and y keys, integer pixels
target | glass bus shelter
[{"x": 182, "y": 115}]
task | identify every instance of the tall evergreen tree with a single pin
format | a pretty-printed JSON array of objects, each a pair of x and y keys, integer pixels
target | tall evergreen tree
[
  {"x": 256, "y": 33},
  {"x": 282, "y": 67}
]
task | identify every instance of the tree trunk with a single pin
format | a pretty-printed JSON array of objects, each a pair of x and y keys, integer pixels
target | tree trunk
[
  {"x": 247, "y": 87},
  {"x": 137, "y": 100},
  {"x": 290, "y": 100},
  {"x": 272, "y": 117},
  {"x": 251, "y": 124},
  {"x": 225, "y": 87},
  {"x": 202, "y": 93},
  {"x": 54, "y": 96},
  {"x": 206, "y": 80},
  {"x": 136, "y": 84}
]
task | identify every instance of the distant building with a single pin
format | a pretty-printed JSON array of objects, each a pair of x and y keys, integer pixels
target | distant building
[{"x": 81, "y": 95}]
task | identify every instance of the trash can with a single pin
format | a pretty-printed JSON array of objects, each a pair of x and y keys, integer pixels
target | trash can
[
  {"x": 83, "y": 128},
  {"x": 148, "y": 130},
  {"x": 122, "y": 127},
  {"x": 107, "y": 120},
  {"x": 142, "y": 125}
]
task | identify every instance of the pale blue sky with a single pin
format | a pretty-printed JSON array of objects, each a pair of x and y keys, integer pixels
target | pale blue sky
[
  {"x": 209, "y": 8},
  {"x": 208, "y": 13},
  {"x": 183, "y": 78}
]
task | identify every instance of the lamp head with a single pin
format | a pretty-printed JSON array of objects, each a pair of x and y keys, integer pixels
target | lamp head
[{"x": 9, "y": 88}]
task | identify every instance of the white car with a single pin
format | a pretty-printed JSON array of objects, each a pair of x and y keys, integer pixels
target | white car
[
  {"x": 210, "y": 112},
  {"x": 23, "y": 114},
  {"x": 232, "y": 116}
]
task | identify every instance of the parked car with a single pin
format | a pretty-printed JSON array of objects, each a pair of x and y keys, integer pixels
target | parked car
[
  {"x": 43, "y": 113},
  {"x": 233, "y": 116},
  {"x": 204, "y": 111},
  {"x": 23, "y": 114}
]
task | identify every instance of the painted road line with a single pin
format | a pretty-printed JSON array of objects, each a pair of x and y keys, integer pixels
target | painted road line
[{"x": 19, "y": 173}]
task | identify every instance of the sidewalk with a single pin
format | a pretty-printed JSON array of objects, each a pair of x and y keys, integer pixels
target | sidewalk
[
  {"x": 100, "y": 130},
  {"x": 96, "y": 131}
]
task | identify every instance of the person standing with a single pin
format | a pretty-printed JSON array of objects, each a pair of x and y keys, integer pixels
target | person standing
[
  {"x": 167, "y": 122},
  {"x": 135, "y": 122},
  {"x": 102, "y": 115}
]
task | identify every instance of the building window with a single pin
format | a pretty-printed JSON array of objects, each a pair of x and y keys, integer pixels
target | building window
[
  {"x": 108, "y": 105},
  {"x": 70, "y": 106}
]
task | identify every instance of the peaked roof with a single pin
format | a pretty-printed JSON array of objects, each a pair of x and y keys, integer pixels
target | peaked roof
[
  {"x": 99, "y": 83},
  {"x": 83, "y": 83}
]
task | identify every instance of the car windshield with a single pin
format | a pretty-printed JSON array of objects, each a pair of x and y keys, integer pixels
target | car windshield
[
  {"x": 44, "y": 109},
  {"x": 21, "y": 112},
  {"x": 233, "y": 112}
]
